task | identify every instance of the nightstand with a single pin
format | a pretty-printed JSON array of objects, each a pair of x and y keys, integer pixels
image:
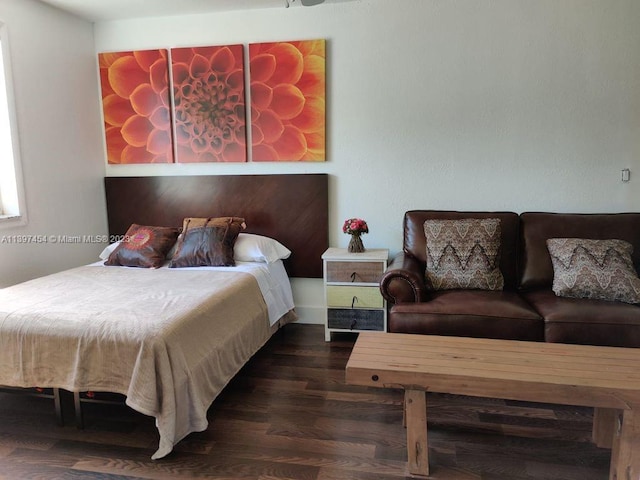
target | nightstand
[{"x": 352, "y": 291}]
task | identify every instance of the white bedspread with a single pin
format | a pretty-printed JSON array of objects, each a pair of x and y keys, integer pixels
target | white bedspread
[
  {"x": 168, "y": 339},
  {"x": 272, "y": 279}
]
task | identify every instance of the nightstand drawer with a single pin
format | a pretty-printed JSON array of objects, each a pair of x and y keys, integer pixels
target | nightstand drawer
[
  {"x": 364, "y": 272},
  {"x": 353, "y": 319},
  {"x": 354, "y": 297},
  {"x": 352, "y": 290}
]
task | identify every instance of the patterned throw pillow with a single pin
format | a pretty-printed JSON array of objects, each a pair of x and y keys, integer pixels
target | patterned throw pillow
[
  {"x": 463, "y": 254},
  {"x": 596, "y": 269},
  {"x": 143, "y": 246}
]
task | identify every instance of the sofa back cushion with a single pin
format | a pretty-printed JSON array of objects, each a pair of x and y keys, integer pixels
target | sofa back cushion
[
  {"x": 537, "y": 227},
  {"x": 414, "y": 242}
]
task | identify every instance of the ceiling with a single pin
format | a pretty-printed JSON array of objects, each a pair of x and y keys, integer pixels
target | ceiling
[{"x": 104, "y": 10}]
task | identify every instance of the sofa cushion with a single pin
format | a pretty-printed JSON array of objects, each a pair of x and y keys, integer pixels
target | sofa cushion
[
  {"x": 414, "y": 242},
  {"x": 586, "y": 321},
  {"x": 469, "y": 313},
  {"x": 596, "y": 269},
  {"x": 537, "y": 227},
  {"x": 463, "y": 254}
]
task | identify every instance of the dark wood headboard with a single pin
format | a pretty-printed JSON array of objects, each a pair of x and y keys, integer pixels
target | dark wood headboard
[{"x": 292, "y": 208}]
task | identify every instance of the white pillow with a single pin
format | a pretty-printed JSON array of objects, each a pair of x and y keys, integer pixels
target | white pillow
[
  {"x": 107, "y": 250},
  {"x": 250, "y": 247}
]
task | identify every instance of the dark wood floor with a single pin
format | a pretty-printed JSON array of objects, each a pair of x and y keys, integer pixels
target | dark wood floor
[{"x": 289, "y": 416}]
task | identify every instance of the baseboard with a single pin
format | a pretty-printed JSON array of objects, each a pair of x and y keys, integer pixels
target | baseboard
[{"x": 311, "y": 315}]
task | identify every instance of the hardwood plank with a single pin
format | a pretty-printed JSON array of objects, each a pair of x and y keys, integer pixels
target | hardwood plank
[
  {"x": 10, "y": 441},
  {"x": 561, "y": 472},
  {"x": 392, "y": 398},
  {"x": 367, "y": 430},
  {"x": 239, "y": 433},
  {"x": 10, "y": 470},
  {"x": 183, "y": 468},
  {"x": 5, "y": 450}
]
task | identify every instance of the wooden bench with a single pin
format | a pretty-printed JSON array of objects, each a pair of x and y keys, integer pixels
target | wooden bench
[{"x": 606, "y": 378}]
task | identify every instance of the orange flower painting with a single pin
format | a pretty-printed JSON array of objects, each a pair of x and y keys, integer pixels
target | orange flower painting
[
  {"x": 288, "y": 101},
  {"x": 136, "y": 106},
  {"x": 208, "y": 89}
]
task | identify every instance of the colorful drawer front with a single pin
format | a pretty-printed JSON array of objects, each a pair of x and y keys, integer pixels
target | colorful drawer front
[
  {"x": 354, "y": 297},
  {"x": 363, "y": 272},
  {"x": 354, "y": 319}
]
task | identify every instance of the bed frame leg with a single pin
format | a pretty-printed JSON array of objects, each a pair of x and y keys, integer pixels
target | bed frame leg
[
  {"x": 78, "y": 409},
  {"x": 58, "y": 406}
]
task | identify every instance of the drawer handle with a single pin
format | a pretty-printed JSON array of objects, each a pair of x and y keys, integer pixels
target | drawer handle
[
  {"x": 353, "y": 324},
  {"x": 353, "y": 277},
  {"x": 354, "y": 300}
]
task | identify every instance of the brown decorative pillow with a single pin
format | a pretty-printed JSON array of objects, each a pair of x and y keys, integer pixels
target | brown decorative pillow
[
  {"x": 596, "y": 269},
  {"x": 463, "y": 254},
  {"x": 192, "y": 222},
  {"x": 207, "y": 242},
  {"x": 143, "y": 246}
]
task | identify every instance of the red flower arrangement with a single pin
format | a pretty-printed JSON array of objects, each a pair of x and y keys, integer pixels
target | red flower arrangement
[{"x": 355, "y": 226}]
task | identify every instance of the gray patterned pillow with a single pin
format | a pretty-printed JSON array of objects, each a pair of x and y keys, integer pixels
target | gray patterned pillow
[
  {"x": 463, "y": 254},
  {"x": 597, "y": 269}
]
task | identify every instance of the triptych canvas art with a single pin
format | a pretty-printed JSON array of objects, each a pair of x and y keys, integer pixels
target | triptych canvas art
[{"x": 188, "y": 104}]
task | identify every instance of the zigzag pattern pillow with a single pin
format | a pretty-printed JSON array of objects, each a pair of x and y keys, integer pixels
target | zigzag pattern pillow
[
  {"x": 596, "y": 269},
  {"x": 463, "y": 254}
]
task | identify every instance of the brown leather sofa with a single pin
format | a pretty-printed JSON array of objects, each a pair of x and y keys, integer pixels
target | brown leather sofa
[{"x": 526, "y": 308}]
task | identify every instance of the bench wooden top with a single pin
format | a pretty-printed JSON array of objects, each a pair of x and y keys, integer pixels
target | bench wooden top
[{"x": 594, "y": 376}]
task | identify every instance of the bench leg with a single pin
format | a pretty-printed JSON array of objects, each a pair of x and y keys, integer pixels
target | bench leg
[
  {"x": 605, "y": 421},
  {"x": 416, "y": 418},
  {"x": 625, "y": 453}
]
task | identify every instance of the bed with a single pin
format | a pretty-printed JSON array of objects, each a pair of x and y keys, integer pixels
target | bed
[{"x": 169, "y": 339}]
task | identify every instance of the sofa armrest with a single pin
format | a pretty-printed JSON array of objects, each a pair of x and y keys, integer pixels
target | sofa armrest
[{"x": 403, "y": 281}]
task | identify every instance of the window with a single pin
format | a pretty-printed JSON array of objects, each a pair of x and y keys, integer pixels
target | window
[{"x": 12, "y": 210}]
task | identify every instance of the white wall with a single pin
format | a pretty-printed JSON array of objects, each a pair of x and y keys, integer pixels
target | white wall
[
  {"x": 459, "y": 104},
  {"x": 58, "y": 112}
]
